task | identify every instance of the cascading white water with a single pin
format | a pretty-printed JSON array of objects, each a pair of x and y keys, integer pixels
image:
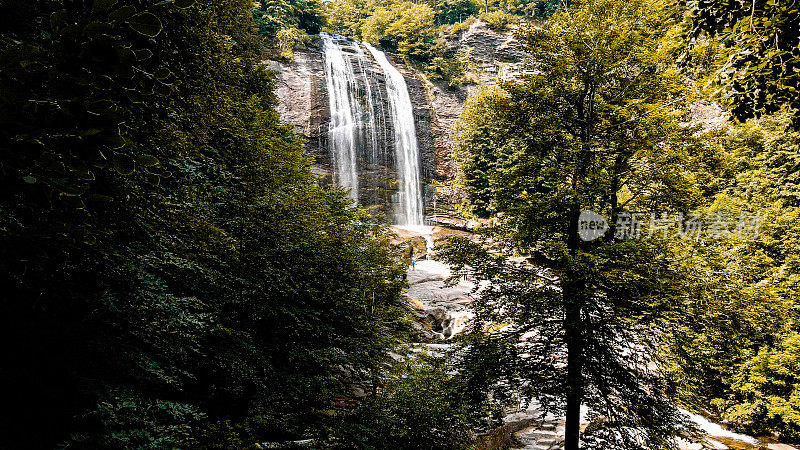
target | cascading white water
[
  {"x": 406, "y": 150},
  {"x": 371, "y": 127},
  {"x": 359, "y": 128},
  {"x": 344, "y": 115}
]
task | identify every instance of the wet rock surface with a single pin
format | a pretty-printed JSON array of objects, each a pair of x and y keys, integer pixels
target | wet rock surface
[
  {"x": 446, "y": 304},
  {"x": 303, "y": 96},
  {"x": 304, "y": 102},
  {"x": 441, "y": 302}
]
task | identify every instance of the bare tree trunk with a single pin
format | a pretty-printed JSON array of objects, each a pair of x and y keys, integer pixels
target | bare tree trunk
[
  {"x": 574, "y": 340},
  {"x": 573, "y": 291}
]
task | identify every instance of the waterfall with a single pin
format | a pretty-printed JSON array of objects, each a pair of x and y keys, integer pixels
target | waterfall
[
  {"x": 344, "y": 115},
  {"x": 362, "y": 129},
  {"x": 405, "y": 141},
  {"x": 372, "y": 131}
]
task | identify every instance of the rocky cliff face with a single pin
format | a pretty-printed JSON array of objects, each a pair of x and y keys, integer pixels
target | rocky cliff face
[
  {"x": 304, "y": 102},
  {"x": 301, "y": 88},
  {"x": 491, "y": 56}
]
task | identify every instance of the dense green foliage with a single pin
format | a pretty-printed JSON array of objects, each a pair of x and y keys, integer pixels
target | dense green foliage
[
  {"x": 274, "y": 16},
  {"x": 286, "y": 24},
  {"x": 762, "y": 43},
  {"x": 599, "y": 128},
  {"x": 416, "y": 397},
  {"x": 734, "y": 349},
  {"x": 449, "y": 12},
  {"x": 404, "y": 27},
  {"x": 727, "y": 331},
  {"x": 172, "y": 275},
  {"x": 416, "y": 30}
]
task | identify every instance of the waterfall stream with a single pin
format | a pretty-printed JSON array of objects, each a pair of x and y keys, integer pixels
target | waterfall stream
[
  {"x": 405, "y": 141},
  {"x": 345, "y": 112},
  {"x": 360, "y": 133}
]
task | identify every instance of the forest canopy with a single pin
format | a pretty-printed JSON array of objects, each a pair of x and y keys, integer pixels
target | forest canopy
[
  {"x": 175, "y": 274},
  {"x": 172, "y": 274}
]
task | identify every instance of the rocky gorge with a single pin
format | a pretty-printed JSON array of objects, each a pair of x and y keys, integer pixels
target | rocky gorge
[
  {"x": 442, "y": 305},
  {"x": 300, "y": 85}
]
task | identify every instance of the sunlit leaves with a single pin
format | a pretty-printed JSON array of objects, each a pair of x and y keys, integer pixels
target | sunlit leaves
[
  {"x": 761, "y": 42},
  {"x": 596, "y": 127},
  {"x": 277, "y": 15},
  {"x": 147, "y": 161}
]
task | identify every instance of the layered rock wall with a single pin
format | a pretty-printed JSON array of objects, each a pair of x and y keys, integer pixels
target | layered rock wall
[
  {"x": 491, "y": 55},
  {"x": 302, "y": 90}
]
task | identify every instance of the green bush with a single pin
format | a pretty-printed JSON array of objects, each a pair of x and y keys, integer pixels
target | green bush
[
  {"x": 543, "y": 9},
  {"x": 273, "y": 16},
  {"x": 416, "y": 407},
  {"x": 290, "y": 39},
  {"x": 766, "y": 390},
  {"x": 405, "y": 27},
  {"x": 346, "y": 17},
  {"x": 451, "y": 70},
  {"x": 449, "y": 12},
  {"x": 499, "y": 20}
]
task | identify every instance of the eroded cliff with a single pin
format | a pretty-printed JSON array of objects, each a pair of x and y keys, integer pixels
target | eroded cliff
[{"x": 304, "y": 102}]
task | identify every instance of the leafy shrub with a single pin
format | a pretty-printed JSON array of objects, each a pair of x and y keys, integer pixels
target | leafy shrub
[
  {"x": 273, "y": 16},
  {"x": 767, "y": 390},
  {"x": 449, "y": 70},
  {"x": 406, "y": 27},
  {"x": 519, "y": 7},
  {"x": 416, "y": 407},
  {"x": 449, "y": 12},
  {"x": 545, "y": 8},
  {"x": 291, "y": 38},
  {"x": 452, "y": 70},
  {"x": 499, "y": 20},
  {"x": 450, "y": 31},
  {"x": 345, "y": 17}
]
